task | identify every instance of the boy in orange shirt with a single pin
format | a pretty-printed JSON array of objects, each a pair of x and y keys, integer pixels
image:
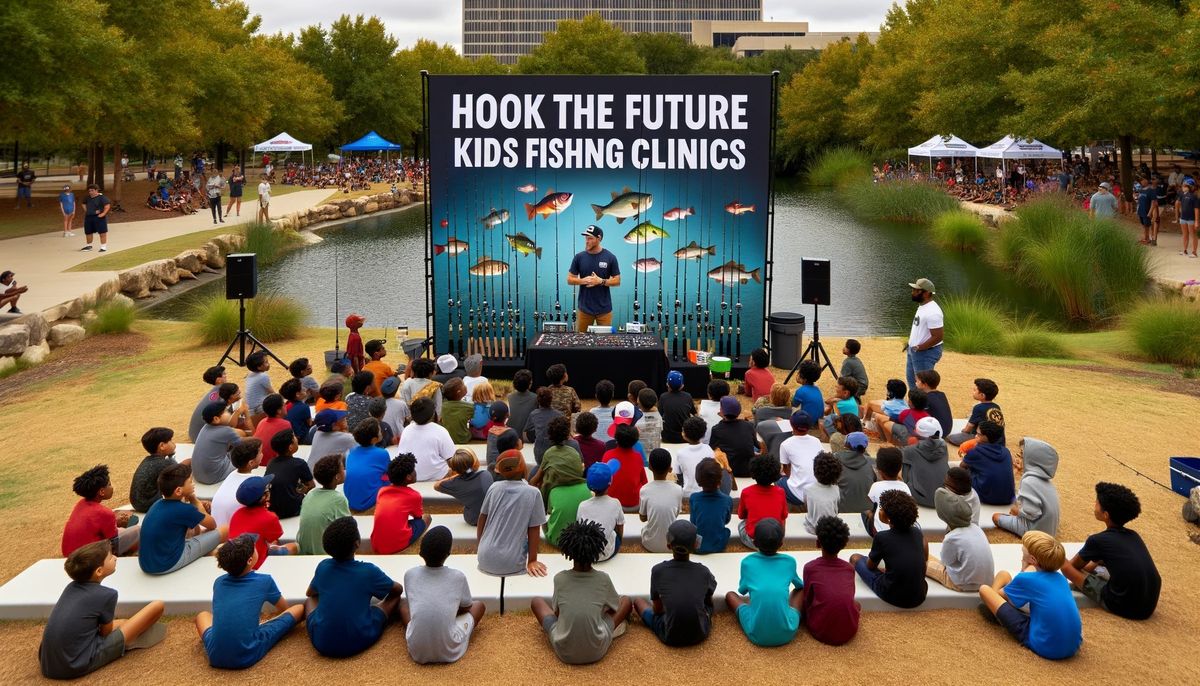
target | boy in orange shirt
[{"x": 380, "y": 369}]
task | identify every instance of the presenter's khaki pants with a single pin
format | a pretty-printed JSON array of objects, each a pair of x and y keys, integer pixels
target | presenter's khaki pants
[{"x": 585, "y": 320}]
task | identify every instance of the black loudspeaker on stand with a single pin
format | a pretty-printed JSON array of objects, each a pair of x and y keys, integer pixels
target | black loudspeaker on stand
[
  {"x": 814, "y": 290},
  {"x": 241, "y": 282}
]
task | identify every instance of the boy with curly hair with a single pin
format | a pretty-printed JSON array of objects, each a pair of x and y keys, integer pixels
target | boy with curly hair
[
  {"x": 765, "y": 499},
  {"x": 827, "y": 600},
  {"x": 92, "y": 521},
  {"x": 901, "y": 550},
  {"x": 822, "y": 497},
  {"x": 400, "y": 517}
]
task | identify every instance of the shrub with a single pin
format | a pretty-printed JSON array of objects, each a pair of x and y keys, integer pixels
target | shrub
[
  {"x": 266, "y": 242},
  {"x": 113, "y": 316},
  {"x": 269, "y": 316},
  {"x": 837, "y": 167},
  {"x": 1033, "y": 339},
  {"x": 912, "y": 202},
  {"x": 975, "y": 325},
  {"x": 1166, "y": 331},
  {"x": 960, "y": 230}
]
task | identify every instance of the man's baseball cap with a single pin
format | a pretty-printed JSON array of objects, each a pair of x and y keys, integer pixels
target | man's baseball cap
[
  {"x": 681, "y": 536},
  {"x": 922, "y": 284},
  {"x": 593, "y": 230},
  {"x": 447, "y": 363},
  {"x": 1106, "y": 185},
  {"x": 857, "y": 440},
  {"x": 730, "y": 407},
  {"x": 801, "y": 420},
  {"x": 325, "y": 419},
  {"x": 675, "y": 379},
  {"x": 250, "y": 491},
  {"x": 927, "y": 426},
  {"x": 213, "y": 410}
]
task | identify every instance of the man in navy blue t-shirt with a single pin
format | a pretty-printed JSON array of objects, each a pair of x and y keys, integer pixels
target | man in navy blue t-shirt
[{"x": 597, "y": 271}]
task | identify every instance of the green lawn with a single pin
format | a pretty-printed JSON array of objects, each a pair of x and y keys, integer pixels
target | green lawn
[{"x": 168, "y": 247}]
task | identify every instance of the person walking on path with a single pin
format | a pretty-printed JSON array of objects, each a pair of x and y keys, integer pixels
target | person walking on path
[
  {"x": 95, "y": 218},
  {"x": 237, "y": 181},
  {"x": 596, "y": 269},
  {"x": 1103, "y": 204},
  {"x": 66, "y": 203},
  {"x": 925, "y": 339},
  {"x": 264, "y": 200},
  {"x": 1187, "y": 209},
  {"x": 215, "y": 185},
  {"x": 25, "y": 179}
]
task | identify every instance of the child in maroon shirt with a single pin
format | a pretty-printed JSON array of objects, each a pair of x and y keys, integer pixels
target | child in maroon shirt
[
  {"x": 827, "y": 601},
  {"x": 591, "y": 449}
]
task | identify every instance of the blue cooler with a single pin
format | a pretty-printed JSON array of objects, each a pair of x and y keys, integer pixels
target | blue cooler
[{"x": 1185, "y": 474}]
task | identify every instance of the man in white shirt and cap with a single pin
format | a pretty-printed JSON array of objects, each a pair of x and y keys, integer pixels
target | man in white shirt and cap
[{"x": 924, "y": 347}]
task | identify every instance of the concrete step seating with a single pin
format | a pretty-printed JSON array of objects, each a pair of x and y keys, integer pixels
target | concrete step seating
[{"x": 32, "y": 593}]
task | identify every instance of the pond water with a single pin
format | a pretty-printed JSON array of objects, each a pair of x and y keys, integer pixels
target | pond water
[{"x": 378, "y": 262}]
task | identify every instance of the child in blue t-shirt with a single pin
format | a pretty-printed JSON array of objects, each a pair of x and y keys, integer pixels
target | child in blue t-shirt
[
  {"x": 66, "y": 203},
  {"x": 232, "y": 635},
  {"x": 1052, "y": 627},
  {"x": 808, "y": 397},
  {"x": 342, "y": 620},
  {"x": 769, "y": 614},
  {"x": 366, "y": 466},
  {"x": 166, "y": 542},
  {"x": 710, "y": 508}
]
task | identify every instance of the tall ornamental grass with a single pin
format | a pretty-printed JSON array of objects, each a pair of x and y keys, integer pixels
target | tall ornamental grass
[
  {"x": 960, "y": 230},
  {"x": 837, "y": 167},
  {"x": 1166, "y": 331},
  {"x": 270, "y": 317},
  {"x": 912, "y": 202}
]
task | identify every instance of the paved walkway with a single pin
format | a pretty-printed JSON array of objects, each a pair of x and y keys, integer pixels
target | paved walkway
[{"x": 41, "y": 260}]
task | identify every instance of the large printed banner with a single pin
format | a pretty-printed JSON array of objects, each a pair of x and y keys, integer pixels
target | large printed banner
[{"x": 674, "y": 169}]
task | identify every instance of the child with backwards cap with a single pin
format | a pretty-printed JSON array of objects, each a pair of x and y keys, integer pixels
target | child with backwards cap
[
  {"x": 466, "y": 483},
  {"x": 827, "y": 599},
  {"x": 680, "y": 608},
  {"x": 255, "y": 517},
  {"x": 440, "y": 613},
  {"x": 400, "y": 516},
  {"x": 676, "y": 405},
  {"x": 232, "y": 636},
  {"x": 510, "y": 522},
  {"x": 659, "y": 503},
  {"x": 768, "y": 613},
  {"x": 343, "y": 617},
  {"x": 602, "y": 508},
  {"x": 585, "y": 612}
]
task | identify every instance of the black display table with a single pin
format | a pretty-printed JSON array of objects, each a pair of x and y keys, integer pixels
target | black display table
[{"x": 620, "y": 358}]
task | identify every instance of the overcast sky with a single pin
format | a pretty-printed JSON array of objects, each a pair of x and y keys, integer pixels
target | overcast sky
[{"x": 409, "y": 20}]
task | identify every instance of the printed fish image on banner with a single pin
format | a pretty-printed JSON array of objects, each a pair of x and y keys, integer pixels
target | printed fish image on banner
[
  {"x": 647, "y": 264},
  {"x": 452, "y": 246},
  {"x": 678, "y": 213},
  {"x": 527, "y": 188},
  {"x": 494, "y": 218},
  {"x": 486, "y": 266},
  {"x": 624, "y": 205},
  {"x": 693, "y": 251},
  {"x": 732, "y": 273},
  {"x": 553, "y": 203},
  {"x": 736, "y": 207},
  {"x": 644, "y": 233},
  {"x": 524, "y": 245}
]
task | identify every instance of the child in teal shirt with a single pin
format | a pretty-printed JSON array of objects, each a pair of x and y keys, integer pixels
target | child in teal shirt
[{"x": 770, "y": 614}]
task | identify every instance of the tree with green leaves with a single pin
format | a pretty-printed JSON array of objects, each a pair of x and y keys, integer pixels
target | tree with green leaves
[
  {"x": 588, "y": 46},
  {"x": 812, "y": 106}
]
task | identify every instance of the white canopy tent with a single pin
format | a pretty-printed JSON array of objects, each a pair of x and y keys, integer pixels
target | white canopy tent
[
  {"x": 1013, "y": 148},
  {"x": 284, "y": 142},
  {"x": 943, "y": 146}
]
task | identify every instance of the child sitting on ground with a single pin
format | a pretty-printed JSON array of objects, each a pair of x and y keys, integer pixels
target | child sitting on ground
[
  {"x": 857, "y": 474},
  {"x": 843, "y": 426},
  {"x": 296, "y": 412},
  {"x": 564, "y": 398},
  {"x": 899, "y": 432},
  {"x": 82, "y": 633},
  {"x": 937, "y": 404},
  {"x": 255, "y": 517},
  {"x": 456, "y": 413},
  {"x": 1051, "y": 628},
  {"x": 984, "y": 392},
  {"x": 466, "y": 483},
  {"x": 343, "y": 615},
  {"x": 966, "y": 559},
  {"x": 591, "y": 449},
  {"x": 439, "y": 614},
  {"x": 510, "y": 521},
  {"x": 302, "y": 372},
  {"x": 843, "y": 401},
  {"x": 1037, "y": 506},
  {"x": 366, "y": 465},
  {"x": 890, "y": 408},
  {"x": 629, "y": 471},
  {"x": 765, "y": 609},
  {"x": 827, "y": 601},
  {"x": 246, "y": 457},
  {"x": 400, "y": 517},
  {"x": 1132, "y": 585},
  {"x": 853, "y": 367},
  {"x": 482, "y": 397},
  {"x": 822, "y": 497},
  {"x": 560, "y": 462},
  {"x": 159, "y": 444},
  {"x": 376, "y": 350},
  {"x": 92, "y": 521},
  {"x": 991, "y": 466},
  {"x": 765, "y": 499},
  {"x": 292, "y": 477},
  {"x": 758, "y": 380},
  {"x": 680, "y": 608},
  {"x": 689, "y": 456},
  {"x": 889, "y": 462},
  {"x": 232, "y": 636},
  {"x": 177, "y": 530},
  {"x": 901, "y": 551},
  {"x": 323, "y": 505},
  {"x": 585, "y": 612},
  {"x": 258, "y": 383},
  {"x": 650, "y": 425},
  {"x": 273, "y": 422},
  {"x": 603, "y": 509},
  {"x": 659, "y": 502},
  {"x": 710, "y": 509}
]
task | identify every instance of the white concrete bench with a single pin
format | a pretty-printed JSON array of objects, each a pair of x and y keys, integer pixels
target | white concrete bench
[{"x": 33, "y": 592}]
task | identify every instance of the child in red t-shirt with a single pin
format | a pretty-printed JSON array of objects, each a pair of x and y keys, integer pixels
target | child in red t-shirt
[
  {"x": 92, "y": 521},
  {"x": 827, "y": 601},
  {"x": 399, "y": 516},
  {"x": 627, "y": 481},
  {"x": 273, "y": 423},
  {"x": 254, "y": 517},
  {"x": 758, "y": 380},
  {"x": 762, "y": 500}
]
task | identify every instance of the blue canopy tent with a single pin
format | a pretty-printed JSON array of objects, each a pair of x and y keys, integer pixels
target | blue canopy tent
[{"x": 371, "y": 142}]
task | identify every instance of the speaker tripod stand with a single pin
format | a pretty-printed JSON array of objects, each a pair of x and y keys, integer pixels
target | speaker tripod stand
[
  {"x": 241, "y": 338},
  {"x": 815, "y": 351}
]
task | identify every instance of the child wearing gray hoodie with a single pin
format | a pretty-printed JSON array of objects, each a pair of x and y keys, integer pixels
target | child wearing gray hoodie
[
  {"x": 1037, "y": 507},
  {"x": 925, "y": 463}
]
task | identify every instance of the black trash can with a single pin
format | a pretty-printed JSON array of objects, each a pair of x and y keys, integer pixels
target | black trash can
[{"x": 787, "y": 338}]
